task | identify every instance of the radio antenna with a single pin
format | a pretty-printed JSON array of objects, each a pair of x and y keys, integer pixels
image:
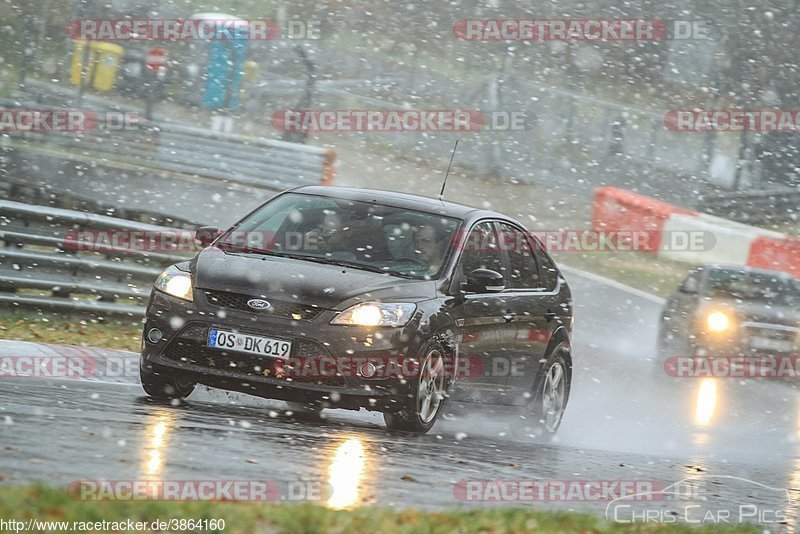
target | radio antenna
[{"x": 441, "y": 193}]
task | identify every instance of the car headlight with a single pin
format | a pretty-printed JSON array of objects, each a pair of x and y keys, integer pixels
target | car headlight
[
  {"x": 376, "y": 314},
  {"x": 175, "y": 282},
  {"x": 719, "y": 321}
]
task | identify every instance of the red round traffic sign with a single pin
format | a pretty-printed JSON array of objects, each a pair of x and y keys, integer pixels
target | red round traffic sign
[{"x": 156, "y": 59}]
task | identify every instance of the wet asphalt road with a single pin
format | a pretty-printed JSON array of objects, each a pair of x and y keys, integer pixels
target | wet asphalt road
[{"x": 625, "y": 421}]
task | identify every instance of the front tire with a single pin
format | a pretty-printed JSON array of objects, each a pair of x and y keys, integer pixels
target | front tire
[
  {"x": 672, "y": 342},
  {"x": 163, "y": 386},
  {"x": 427, "y": 399}
]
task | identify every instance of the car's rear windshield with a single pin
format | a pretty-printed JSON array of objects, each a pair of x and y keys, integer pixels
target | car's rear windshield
[
  {"x": 762, "y": 287},
  {"x": 368, "y": 235}
]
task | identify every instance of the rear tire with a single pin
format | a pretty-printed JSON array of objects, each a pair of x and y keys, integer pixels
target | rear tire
[
  {"x": 542, "y": 416},
  {"x": 164, "y": 386},
  {"x": 427, "y": 399},
  {"x": 303, "y": 409}
]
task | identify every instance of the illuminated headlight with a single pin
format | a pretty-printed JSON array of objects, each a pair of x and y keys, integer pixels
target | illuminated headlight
[
  {"x": 376, "y": 314},
  {"x": 175, "y": 282},
  {"x": 719, "y": 321}
]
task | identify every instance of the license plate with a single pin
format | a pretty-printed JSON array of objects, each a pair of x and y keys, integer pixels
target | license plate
[
  {"x": 765, "y": 343},
  {"x": 237, "y": 342}
]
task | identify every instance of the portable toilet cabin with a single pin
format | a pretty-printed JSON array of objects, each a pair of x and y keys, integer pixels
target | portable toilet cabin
[{"x": 213, "y": 66}]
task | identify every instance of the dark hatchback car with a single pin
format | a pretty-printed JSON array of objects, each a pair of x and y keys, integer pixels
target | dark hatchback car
[
  {"x": 729, "y": 310},
  {"x": 329, "y": 297}
]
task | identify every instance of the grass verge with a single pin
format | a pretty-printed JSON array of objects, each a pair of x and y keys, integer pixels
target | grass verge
[
  {"x": 642, "y": 271},
  {"x": 48, "y": 504},
  {"x": 123, "y": 334}
]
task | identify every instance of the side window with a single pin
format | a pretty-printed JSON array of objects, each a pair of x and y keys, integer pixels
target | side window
[
  {"x": 547, "y": 270},
  {"x": 482, "y": 250},
  {"x": 524, "y": 271}
]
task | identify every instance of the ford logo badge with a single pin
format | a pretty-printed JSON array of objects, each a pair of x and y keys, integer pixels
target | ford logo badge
[{"x": 258, "y": 304}]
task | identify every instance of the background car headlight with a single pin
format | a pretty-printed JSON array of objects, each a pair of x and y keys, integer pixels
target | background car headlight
[
  {"x": 719, "y": 321},
  {"x": 175, "y": 282},
  {"x": 376, "y": 314}
]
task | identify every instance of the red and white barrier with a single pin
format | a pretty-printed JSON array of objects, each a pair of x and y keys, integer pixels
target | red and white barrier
[
  {"x": 724, "y": 241},
  {"x": 777, "y": 253},
  {"x": 617, "y": 210}
]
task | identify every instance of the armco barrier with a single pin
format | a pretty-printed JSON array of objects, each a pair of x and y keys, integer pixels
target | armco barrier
[
  {"x": 727, "y": 242},
  {"x": 44, "y": 268},
  {"x": 169, "y": 146}
]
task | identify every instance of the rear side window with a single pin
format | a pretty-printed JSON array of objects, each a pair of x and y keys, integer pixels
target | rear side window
[
  {"x": 523, "y": 268},
  {"x": 547, "y": 269}
]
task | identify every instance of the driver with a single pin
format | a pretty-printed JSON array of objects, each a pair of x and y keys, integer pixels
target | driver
[{"x": 429, "y": 247}]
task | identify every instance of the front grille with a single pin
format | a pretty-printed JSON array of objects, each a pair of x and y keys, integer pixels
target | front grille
[
  {"x": 189, "y": 347},
  {"x": 277, "y": 308},
  {"x": 196, "y": 332}
]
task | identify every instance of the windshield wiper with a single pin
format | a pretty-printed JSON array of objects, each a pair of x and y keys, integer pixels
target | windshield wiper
[
  {"x": 316, "y": 259},
  {"x": 247, "y": 250},
  {"x": 342, "y": 263}
]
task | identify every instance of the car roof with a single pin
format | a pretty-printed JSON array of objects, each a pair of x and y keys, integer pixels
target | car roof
[{"x": 403, "y": 200}]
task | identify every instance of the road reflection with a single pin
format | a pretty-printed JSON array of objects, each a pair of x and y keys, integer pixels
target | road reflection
[
  {"x": 346, "y": 473},
  {"x": 798, "y": 416},
  {"x": 793, "y": 513},
  {"x": 158, "y": 427},
  {"x": 705, "y": 402},
  {"x": 793, "y": 510}
]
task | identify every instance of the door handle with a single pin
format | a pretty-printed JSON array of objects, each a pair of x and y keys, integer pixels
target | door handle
[
  {"x": 509, "y": 316},
  {"x": 550, "y": 316}
]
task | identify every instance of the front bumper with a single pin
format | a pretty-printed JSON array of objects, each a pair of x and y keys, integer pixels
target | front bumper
[
  {"x": 183, "y": 351},
  {"x": 751, "y": 339}
]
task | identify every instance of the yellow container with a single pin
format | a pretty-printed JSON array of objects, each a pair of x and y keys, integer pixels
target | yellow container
[
  {"x": 103, "y": 64},
  {"x": 76, "y": 65},
  {"x": 249, "y": 77},
  {"x": 250, "y": 71}
]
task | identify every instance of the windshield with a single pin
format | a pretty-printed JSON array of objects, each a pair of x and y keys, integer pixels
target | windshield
[
  {"x": 753, "y": 287},
  {"x": 363, "y": 235}
]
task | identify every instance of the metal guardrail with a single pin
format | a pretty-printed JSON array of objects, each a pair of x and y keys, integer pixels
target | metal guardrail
[
  {"x": 181, "y": 148},
  {"x": 45, "y": 265},
  {"x": 754, "y": 206}
]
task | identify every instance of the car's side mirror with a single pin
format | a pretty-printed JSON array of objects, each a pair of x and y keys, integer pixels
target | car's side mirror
[
  {"x": 485, "y": 281},
  {"x": 689, "y": 286},
  {"x": 206, "y": 235}
]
